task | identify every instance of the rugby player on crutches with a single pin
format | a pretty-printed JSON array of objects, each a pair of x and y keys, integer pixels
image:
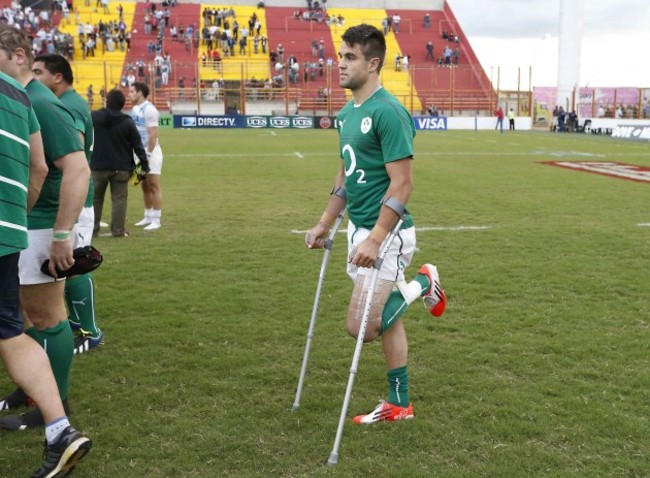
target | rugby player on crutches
[{"x": 374, "y": 183}]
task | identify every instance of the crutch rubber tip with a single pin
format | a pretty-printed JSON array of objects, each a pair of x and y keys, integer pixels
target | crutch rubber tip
[
  {"x": 333, "y": 459},
  {"x": 295, "y": 408}
]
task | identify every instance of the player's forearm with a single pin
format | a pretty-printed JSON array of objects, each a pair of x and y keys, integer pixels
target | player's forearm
[
  {"x": 337, "y": 201},
  {"x": 389, "y": 214},
  {"x": 153, "y": 141}
]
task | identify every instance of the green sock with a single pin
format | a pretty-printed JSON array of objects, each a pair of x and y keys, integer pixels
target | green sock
[
  {"x": 396, "y": 305},
  {"x": 58, "y": 344},
  {"x": 398, "y": 386},
  {"x": 80, "y": 299}
]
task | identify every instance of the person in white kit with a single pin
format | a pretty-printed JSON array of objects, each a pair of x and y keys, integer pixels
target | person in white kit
[{"x": 145, "y": 115}]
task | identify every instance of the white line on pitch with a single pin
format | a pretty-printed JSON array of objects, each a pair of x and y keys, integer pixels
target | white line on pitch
[
  {"x": 425, "y": 229},
  {"x": 644, "y": 224},
  {"x": 299, "y": 155}
]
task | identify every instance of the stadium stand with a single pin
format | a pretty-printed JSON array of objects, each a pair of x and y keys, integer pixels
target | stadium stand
[
  {"x": 194, "y": 77},
  {"x": 184, "y": 71},
  {"x": 104, "y": 67}
]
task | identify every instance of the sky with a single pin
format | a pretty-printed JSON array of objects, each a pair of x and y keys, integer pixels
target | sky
[{"x": 508, "y": 34}]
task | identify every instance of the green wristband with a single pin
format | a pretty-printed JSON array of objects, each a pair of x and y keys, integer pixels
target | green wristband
[{"x": 62, "y": 235}]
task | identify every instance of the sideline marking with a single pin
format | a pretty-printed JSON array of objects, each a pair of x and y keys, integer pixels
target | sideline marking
[
  {"x": 423, "y": 229},
  {"x": 614, "y": 169},
  {"x": 644, "y": 224},
  {"x": 299, "y": 155}
]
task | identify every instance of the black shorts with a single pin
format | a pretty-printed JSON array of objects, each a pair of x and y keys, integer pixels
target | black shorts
[{"x": 11, "y": 320}]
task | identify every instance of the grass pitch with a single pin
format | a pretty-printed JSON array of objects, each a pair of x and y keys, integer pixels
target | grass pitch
[{"x": 538, "y": 368}]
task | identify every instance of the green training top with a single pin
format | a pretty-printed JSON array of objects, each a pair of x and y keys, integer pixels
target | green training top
[
  {"x": 84, "y": 123},
  {"x": 372, "y": 134},
  {"x": 17, "y": 123},
  {"x": 60, "y": 137}
]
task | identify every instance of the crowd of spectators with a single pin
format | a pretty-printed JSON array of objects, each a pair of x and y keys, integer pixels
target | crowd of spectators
[
  {"x": 46, "y": 37},
  {"x": 223, "y": 36}
]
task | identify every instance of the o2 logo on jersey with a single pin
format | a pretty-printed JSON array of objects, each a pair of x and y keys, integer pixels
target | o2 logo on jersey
[
  {"x": 366, "y": 124},
  {"x": 348, "y": 152}
]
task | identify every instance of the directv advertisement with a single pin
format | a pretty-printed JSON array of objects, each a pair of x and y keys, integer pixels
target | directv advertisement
[{"x": 216, "y": 121}]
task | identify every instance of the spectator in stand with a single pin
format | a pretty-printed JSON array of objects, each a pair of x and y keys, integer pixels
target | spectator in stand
[
  {"x": 429, "y": 55},
  {"x": 456, "y": 55},
  {"x": 280, "y": 53},
  {"x": 314, "y": 48},
  {"x": 427, "y": 20},
  {"x": 396, "y": 21},
  {"x": 447, "y": 53},
  {"x": 385, "y": 26},
  {"x": 499, "y": 114},
  {"x": 398, "y": 62},
  {"x": 216, "y": 58},
  {"x": 294, "y": 72},
  {"x": 405, "y": 63},
  {"x": 619, "y": 112}
]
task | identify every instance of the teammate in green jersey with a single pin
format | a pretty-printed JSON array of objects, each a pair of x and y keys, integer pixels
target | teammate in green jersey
[
  {"x": 50, "y": 223},
  {"x": 374, "y": 183},
  {"x": 54, "y": 71},
  {"x": 22, "y": 173}
]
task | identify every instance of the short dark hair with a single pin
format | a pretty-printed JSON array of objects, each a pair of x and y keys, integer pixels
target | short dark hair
[
  {"x": 115, "y": 100},
  {"x": 371, "y": 40},
  {"x": 142, "y": 88},
  {"x": 57, "y": 64}
]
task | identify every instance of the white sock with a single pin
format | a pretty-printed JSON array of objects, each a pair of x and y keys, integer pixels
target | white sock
[
  {"x": 54, "y": 429},
  {"x": 410, "y": 291},
  {"x": 148, "y": 213}
]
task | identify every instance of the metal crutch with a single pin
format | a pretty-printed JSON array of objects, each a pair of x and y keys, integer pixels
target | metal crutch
[
  {"x": 314, "y": 311},
  {"x": 334, "y": 456}
]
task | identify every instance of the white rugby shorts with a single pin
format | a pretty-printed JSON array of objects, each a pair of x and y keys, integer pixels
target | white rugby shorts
[
  {"x": 156, "y": 161},
  {"x": 82, "y": 233},
  {"x": 398, "y": 257},
  {"x": 29, "y": 265}
]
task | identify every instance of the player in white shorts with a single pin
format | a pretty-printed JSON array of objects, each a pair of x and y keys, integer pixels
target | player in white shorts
[{"x": 145, "y": 115}]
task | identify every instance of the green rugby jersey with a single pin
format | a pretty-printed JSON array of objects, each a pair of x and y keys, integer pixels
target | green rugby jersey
[
  {"x": 371, "y": 134},
  {"x": 17, "y": 123},
  {"x": 60, "y": 137},
  {"x": 84, "y": 123}
]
